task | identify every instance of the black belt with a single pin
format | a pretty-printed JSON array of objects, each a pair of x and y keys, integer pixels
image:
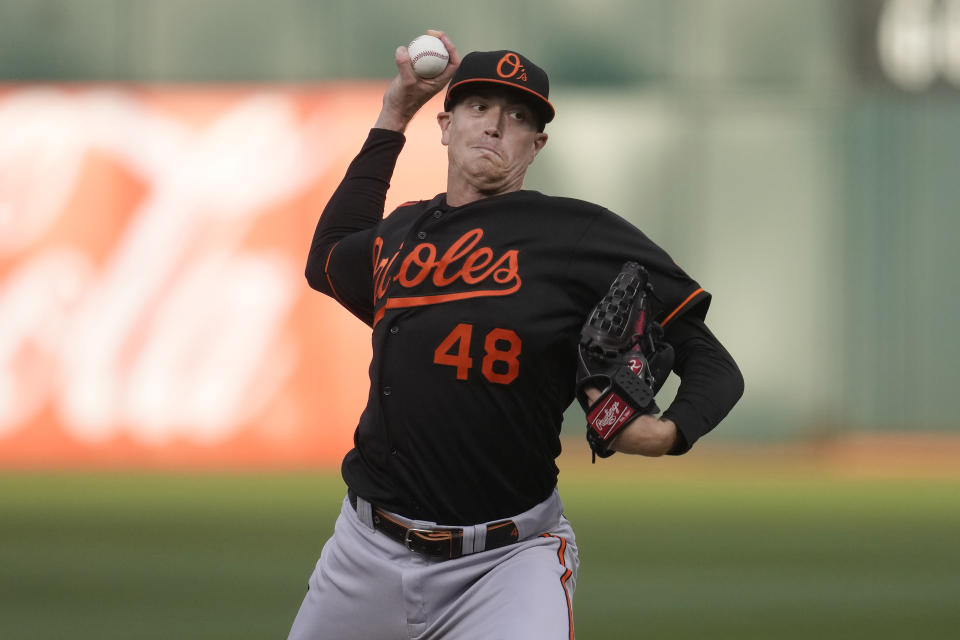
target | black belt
[{"x": 442, "y": 543}]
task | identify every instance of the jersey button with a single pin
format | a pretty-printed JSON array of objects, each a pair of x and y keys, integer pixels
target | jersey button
[
  {"x": 394, "y": 330},
  {"x": 387, "y": 391},
  {"x": 436, "y": 215},
  {"x": 421, "y": 235}
]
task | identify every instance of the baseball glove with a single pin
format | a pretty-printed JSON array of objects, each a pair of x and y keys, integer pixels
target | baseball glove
[{"x": 621, "y": 354}]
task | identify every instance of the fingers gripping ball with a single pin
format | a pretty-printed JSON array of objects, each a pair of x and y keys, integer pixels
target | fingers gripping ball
[
  {"x": 622, "y": 355},
  {"x": 428, "y": 56}
]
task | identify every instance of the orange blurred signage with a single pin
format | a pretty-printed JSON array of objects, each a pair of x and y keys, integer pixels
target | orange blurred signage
[{"x": 153, "y": 310}]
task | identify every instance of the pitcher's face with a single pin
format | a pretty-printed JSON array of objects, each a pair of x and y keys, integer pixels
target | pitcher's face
[{"x": 491, "y": 138}]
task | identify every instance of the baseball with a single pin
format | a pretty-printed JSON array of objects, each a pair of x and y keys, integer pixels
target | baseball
[{"x": 428, "y": 55}]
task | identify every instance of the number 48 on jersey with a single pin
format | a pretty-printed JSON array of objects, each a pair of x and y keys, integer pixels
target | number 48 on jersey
[{"x": 501, "y": 350}]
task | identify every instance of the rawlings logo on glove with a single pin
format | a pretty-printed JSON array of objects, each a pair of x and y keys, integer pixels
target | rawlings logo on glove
[
  {"x": 623, "y": 356},
  {"x": 609, "y": 416}
]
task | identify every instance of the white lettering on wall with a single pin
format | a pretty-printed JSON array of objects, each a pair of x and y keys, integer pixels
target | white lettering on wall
[{"x": 176, "y": 333}]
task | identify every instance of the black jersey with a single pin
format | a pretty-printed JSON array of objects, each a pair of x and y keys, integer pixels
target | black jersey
[{"x": 475, "y": 314}]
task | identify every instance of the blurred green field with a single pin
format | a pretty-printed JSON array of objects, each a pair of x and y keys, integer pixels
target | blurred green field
[{"x": 664, "y": 555}]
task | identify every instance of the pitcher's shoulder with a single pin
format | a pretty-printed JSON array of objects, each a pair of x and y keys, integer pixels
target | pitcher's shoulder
[{"x": 565, "y": 204}]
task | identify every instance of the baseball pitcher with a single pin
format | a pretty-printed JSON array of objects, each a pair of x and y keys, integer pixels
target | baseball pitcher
[{"x": 491, "y": 308}]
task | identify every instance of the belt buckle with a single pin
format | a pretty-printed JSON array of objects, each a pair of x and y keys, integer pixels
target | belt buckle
[
  {"x": 428, "y": 536},
  {"x": 406, "y": 536}
]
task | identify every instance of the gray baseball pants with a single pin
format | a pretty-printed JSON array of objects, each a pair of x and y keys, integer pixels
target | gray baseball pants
[{"x": 368, "y": 586}]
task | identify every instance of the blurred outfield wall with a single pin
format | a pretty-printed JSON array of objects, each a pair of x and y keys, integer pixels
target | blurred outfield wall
[{"x": 797, "y": 157}]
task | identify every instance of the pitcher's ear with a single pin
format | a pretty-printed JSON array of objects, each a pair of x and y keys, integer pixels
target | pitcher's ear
[
  {"x": 443, "y": 119},
  {"x": 539, "y": 142}
]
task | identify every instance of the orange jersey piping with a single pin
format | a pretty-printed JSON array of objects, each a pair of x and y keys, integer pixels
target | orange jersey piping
[
  {"x": 681, "y": 306},
  {"x": 326, "y": 272}
]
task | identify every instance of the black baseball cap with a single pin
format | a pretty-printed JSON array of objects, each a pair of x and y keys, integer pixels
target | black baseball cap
[{"x": 505, "y": 68}]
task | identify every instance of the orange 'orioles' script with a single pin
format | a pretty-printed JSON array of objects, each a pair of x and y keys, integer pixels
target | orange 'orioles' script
[{"x": 464, "y": 261}]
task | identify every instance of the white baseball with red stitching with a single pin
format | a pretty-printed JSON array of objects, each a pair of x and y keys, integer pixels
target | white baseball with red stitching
[{"x": 429, "y": 56}]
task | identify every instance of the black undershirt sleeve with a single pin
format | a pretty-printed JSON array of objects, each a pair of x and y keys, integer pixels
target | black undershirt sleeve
[
  {"x": 358, "y": 201},
  {"x": 339, "y": 260},
  {"x": 710, "y": 381}
]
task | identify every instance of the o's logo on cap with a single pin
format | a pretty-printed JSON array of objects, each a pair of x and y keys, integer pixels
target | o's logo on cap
[{"x": 509, "y": 66}]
